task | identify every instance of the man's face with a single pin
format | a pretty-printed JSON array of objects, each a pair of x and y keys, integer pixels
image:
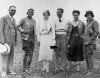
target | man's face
[
  {"x": 12, "y": 11},
  {"x": 59, "y": 13},
  {"x": 30, "y": 13},
  {"x": 89, "y": 17},
  {"x": 76, "y": 16}
]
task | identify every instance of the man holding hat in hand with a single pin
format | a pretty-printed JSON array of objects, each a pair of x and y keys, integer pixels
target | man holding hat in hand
[{"x": 8, "y": 35}]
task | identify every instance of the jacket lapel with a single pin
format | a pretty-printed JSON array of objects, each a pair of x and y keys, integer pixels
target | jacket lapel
[
  {"x": 79, "y": 24},
  {"x": 9, "y": 21}
]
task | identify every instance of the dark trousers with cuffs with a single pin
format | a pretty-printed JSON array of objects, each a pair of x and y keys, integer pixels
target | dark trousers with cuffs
[{"x": 28, "y": 47}]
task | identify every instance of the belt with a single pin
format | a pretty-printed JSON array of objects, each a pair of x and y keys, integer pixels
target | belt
[{"x": 61, "y": 30}]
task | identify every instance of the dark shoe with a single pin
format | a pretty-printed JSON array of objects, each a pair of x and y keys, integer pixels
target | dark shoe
[
  {"x": 11, "y": 72},
  {"x": 25, "y": 70}
]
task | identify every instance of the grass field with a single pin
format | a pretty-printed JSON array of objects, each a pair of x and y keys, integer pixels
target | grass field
[{"x": 37, "y": 66}]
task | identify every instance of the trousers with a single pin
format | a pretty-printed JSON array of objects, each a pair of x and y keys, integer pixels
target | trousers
[
  {"x": 60, "y": 51},
  {"x": 28, "y": 48}
]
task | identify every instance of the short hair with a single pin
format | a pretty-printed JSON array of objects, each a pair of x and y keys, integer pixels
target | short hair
[
  {"x": 12, "y": 6},
  {"x": 76, "y": 11},
  {"x": 47, "y": 12},
  {"x": 29, "y": 10},
  {"x": 89, "y": 12},
  {"x": 61, "y": 10}
]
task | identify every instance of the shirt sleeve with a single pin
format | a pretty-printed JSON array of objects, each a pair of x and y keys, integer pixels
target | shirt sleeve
[{"x": 96, "y": 30}]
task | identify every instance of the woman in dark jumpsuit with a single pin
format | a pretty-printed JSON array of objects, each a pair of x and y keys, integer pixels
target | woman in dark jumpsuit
[{"x": 75, "y": 43}]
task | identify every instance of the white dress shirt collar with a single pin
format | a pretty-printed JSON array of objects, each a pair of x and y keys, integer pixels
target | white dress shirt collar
[{"x": 11, "y": 17}]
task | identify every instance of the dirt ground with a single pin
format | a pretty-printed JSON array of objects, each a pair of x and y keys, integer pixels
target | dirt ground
[{"x": 37, "y": 66}]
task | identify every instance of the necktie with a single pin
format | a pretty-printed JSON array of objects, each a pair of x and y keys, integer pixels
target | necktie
[{"x": 60, "y": 20}]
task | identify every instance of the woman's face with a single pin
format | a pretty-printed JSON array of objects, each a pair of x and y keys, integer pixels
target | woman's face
[
  {"x": 46, "y": 15},
  {"x": 89, "y": 17},
  {"x": 76, "y": 16},
  {"x": 30, "y": 13}
]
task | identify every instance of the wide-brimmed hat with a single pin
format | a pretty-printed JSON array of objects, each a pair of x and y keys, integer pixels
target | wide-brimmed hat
[
  {"x": 89, "y": 12},
  {"x": 4, "y": 49}
]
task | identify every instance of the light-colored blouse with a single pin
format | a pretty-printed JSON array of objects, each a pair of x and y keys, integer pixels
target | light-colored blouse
[{"x": 45, "y": 27}]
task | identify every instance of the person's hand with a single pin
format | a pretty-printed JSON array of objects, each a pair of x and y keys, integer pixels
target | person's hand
[
  {"x": 68, "y": 46},
  {"x": 22, "y": 31},
  {"x": 90, "y": 31},
  {"x": 2, "y": 43}
]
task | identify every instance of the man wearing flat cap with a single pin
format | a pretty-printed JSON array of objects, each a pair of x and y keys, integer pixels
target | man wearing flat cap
[
  {"x": 90, "y": 35},
  {"x": 8, "y": 35}
]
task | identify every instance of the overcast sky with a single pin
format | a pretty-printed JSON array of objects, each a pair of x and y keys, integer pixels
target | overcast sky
[{"x": 41, "y": 5}]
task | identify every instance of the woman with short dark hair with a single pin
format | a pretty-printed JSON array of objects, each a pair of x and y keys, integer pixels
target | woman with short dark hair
[{"x": 75, "y": 43}]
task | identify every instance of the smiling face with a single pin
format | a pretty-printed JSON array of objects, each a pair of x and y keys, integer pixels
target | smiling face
[
  {"x": 46, "y": 15},
  {"x": 59, "y": 13},
  {"x": 30, "y": 13},
  {"x": 76, "y": 15},
  {"x": 89, "y": 17},
  {"x": 12, "y": 11}
]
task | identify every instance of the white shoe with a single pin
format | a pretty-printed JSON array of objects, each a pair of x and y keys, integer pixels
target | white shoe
[
  {"x": 12, "y": 72},
  {"x": 47, "y": 70},
  {"x": 78, "y": 69},
  {"x": 89, "y": 73},
  {"x": 3, "y": 74},
  {"x": 43, "y": 69},
  {"x": 30, "y": 70}
]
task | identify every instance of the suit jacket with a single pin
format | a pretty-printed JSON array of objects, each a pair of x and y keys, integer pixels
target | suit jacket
[
  {"x": 7, "y": 30},
  {"x": 91, "y": 32},
  {"x": 81, "y": 28}
]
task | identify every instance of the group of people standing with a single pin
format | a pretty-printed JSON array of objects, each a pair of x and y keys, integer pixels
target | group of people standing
[{"x": 70, "y": 41}]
